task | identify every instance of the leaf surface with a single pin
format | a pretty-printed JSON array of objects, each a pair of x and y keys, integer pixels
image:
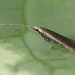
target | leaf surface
[{"x": 22, "y": 50}]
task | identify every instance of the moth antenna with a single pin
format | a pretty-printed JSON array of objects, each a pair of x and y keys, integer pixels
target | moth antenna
[{"x": 17, "y": 25}]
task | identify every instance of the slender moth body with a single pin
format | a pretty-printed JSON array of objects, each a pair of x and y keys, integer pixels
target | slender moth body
[{"x": 51, "y": 35}]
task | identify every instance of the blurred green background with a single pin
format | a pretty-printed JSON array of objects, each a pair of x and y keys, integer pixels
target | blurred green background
[{"x": 22, "y": 50}]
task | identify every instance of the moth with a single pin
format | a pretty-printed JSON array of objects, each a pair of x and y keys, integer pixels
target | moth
[{"x": 48, "y": 35}]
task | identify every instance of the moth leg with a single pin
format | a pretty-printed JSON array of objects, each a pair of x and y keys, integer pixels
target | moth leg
[
  {"x": 50, "y": 46},
  {"x": 59, "y": 44}
]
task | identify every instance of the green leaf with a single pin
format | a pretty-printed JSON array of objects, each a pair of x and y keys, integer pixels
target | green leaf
[{"x": 22, "y": 50}]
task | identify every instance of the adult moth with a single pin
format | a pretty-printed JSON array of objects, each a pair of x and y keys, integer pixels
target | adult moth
[
  {"x": 48, "y": 35},
  {"x": 51, "y": 35}
]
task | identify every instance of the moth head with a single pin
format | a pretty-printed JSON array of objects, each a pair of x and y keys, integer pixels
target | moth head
[{"x": 38, "y": 29}]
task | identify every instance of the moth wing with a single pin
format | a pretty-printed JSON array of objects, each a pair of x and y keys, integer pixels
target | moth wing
[{"x": 45, "y": 37}]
